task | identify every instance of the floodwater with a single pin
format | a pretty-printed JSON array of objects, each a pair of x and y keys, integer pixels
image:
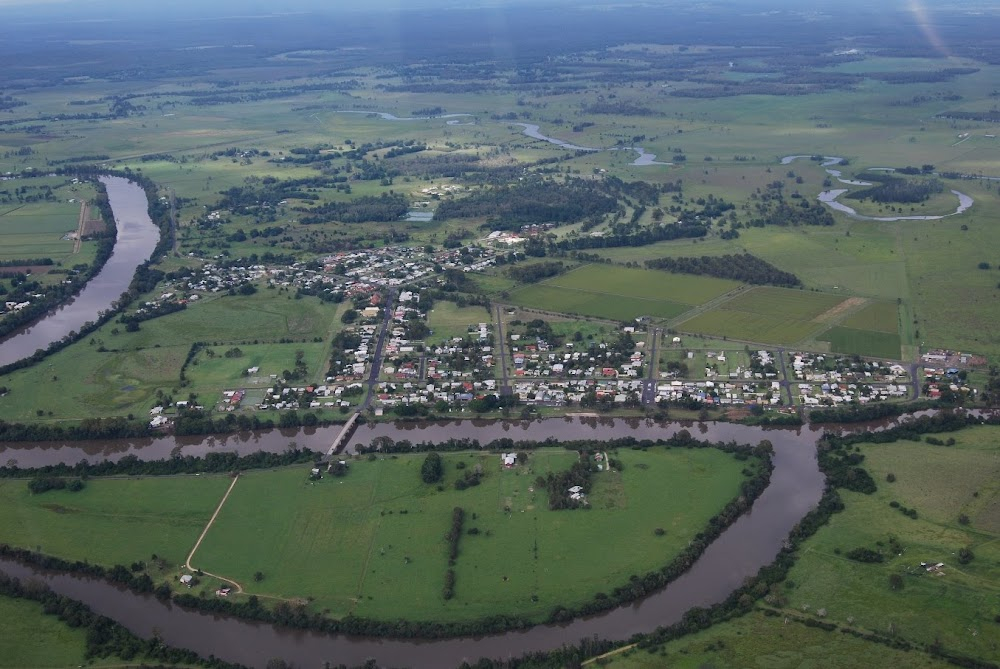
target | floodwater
[
  {"x": 750, "y": 543},
  {"x": 137, "y": 237}
]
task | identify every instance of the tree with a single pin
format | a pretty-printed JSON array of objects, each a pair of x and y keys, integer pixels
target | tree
[
  {"x": 258, "y": 576},
  {"x": 432, "y": 470},
  {"x": 895, "y": 582}
]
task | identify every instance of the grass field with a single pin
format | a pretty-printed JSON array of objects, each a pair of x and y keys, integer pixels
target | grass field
[
  {"x": 111, "y": 521},
  {"x": 940, "y": 483},
  {"x": 29, "y": 639},
  {"x": 124, "y": 378},
  {"x": 211, "y": 370},
  {"x": 378, "y": 533},
  {"x": 757, "y": 640},
  {"x": 447, "y": 320},
  {"x": 863, "y": 342},
  {"x": 620, "y": 293},
  {"x": 766, "y": 315}
]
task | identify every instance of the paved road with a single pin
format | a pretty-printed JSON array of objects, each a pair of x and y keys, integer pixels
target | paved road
[
  {"x": 501, "y": 346},
  {"x": 785, "y": 382},
  {"x": 390, "y": 302},
  {"x": 649, "y": 385}
]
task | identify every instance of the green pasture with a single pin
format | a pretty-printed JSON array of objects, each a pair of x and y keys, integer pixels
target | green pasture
[
  {"x": 862, "y": 342},
  {"x": 265, "y": 316},
  {"x": 757, "y": 640},
  {"x": 643, "y": 284},
  {"x": 598, "y": 305},
  {"x": 211, "y": 371},
  {"x": 82, "y": 382},
  {"x": 620, "y": 293},
  {"x": 30, "y": 639},
  {"x": 379, "y": 532},
  {"x": 111, "y": 521},
  {"x": 765, "y": 314},
  {"x": 958, "y": 607},
  {"x": 447, "y": 320}
]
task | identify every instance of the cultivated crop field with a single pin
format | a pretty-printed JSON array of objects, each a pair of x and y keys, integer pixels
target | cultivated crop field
[
  {"x": 620, "y": 293},
  {"x": 767, "y": 315},
  {"x": 863, "y": 342},
  {"x": 372, "y": 543},
  {"x": 878, "y": 316},
  {"x": 941, "y": 484}
]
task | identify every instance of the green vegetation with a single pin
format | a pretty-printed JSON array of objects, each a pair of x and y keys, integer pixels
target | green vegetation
[
  {"x": 768, "y": 315},
  {"x": 29, "y": 639},
  {"x": 765, "y": 641},
  {"x": 862, "y": 342},
  {"x": 381, "y": 530},
  {"x": 111, "y": 521},
  {"x": 619, "y": 293},
  {"x": 953, "y": 495},
  {"x": 447, "y": 320}
]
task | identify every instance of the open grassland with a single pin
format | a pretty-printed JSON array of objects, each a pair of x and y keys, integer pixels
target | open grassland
[
  {"x": 81, "y": 382},
  {"x": 767, "y": 315},
  {"x": 265, "y": 316},
  {"x": 212, "y": 370},
  {"x": 956, "y": 608},
  {"x": 377, "y": 535},
  {"x": 644, "y": 284},
  {"x": 758, "y": 640},
  {"x": 111, "y": 521},
  {"x": 620, "y": 293},
  {"x": 447, "y": 320},
  {"x": 30, "y": 639},
  {"x": 863, "y": 342},
  {"x": 124, "y": 377}
]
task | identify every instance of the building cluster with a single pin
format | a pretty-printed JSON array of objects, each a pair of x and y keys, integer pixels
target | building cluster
[{"x": 830, "y": 379}]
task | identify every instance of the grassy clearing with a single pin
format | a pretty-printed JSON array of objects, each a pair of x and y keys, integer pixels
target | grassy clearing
[
  {"x": 111, "y": 521},
  {"x": 644, "y": 284},
  {"x": 211, "y": 370},
  {"x": 957, "y": 608},
  {"x": 447, "y": 319},
  {"x": 598, "y": 305},
  {"x": 380, "y": 531},
  {"x": 265, "y": 316},
  {"x": 756, "y": 640},
  {"x": 620, "y": 293},
  {"x": 863, "y": 342},
  {"x": 29, "y": 639},
  {"x": 93, "y": 383},
  {"x": 767, "y": 315}
]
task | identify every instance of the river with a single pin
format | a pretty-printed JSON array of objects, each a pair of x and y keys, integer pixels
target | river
[
  {"x": 753, "y": 541},
  {"x": 829, "y": 197},
  {"x": 136, "y": 239}
]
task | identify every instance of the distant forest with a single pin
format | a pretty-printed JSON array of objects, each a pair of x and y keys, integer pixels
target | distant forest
[{"x": 738, "y": 267}]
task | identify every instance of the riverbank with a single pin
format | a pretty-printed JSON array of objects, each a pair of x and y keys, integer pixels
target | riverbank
[{"x": 137, "y": 240}]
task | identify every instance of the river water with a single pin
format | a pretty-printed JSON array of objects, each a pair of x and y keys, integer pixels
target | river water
[
  {"x": 750, "y": 543},
  {"x": 137, "y": 237}
]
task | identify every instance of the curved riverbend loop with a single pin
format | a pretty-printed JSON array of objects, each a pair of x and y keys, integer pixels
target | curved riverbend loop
[{"x": 750, "y": 543}]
